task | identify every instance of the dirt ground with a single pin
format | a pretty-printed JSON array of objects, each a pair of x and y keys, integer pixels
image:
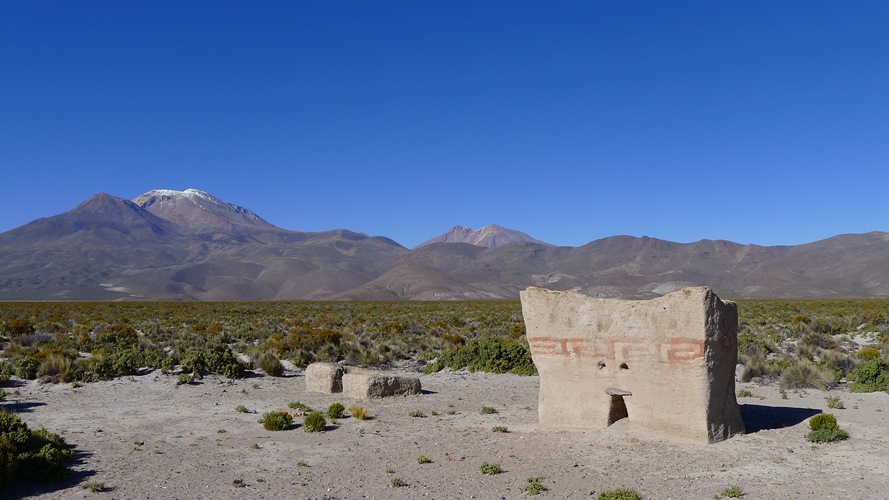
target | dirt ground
[{"x": 146, "y": 437}]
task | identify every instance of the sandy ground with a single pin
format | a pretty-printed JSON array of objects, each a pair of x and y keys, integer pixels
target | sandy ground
[{"x": 146, "y": 437}]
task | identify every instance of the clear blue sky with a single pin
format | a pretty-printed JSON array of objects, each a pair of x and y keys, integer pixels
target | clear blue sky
[{"x": 754, "y": 121}]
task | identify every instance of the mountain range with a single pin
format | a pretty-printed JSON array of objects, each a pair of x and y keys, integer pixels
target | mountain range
[{"x": 190, "y": 245}]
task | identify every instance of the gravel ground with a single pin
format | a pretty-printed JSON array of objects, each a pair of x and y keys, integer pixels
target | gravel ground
[{"x": 146, "y": 437}]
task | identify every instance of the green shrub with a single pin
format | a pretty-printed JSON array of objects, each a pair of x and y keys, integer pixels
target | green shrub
[
  {"x": 314, "y": 422},
  {"x": 487, "y": 410},
  {"x": 270, "y": 364},
  {"x": 36, "y": 455},
  {"x": 732, "y": 492},
  {"x": 870, "y": 377},
  {"x": 296, "y": 405},
  {"x": 489, "y": 354},
  {"x": 241, "y": 409},
  {"x": 336, "y": 410},
  {"x": 217, "y": 358},
  {"x": 533, "y": 487},
  {"x": 423, "y": 459},
  {"x": 824, "y": 429},
  {"x": 489, "y": 469},
  {"x": 619, "y": 494},
  {"x": 27, "y": 367},
  {"x": 6, "y": 370},
  {"x": 185, "y": 379},
  {"x": 17, "y": 327},
  {"x": 827, "y": 435},
  {"x": 416, "y": 414},
  {"x": 277, "y": 421},
  {"x": 835, "y": 403},
  {"x": 823, "y": 421},
  {"x": 499, "y": 428},
  {"x": 744, "y": 393}
]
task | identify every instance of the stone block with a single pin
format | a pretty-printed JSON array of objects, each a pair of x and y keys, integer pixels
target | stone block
[
  {"x": 324, "y": 377},
  {"x": 667, "y": 363},
  {"x": 360, "y": 383}
]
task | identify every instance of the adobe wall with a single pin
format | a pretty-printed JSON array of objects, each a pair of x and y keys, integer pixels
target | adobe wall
[{"x": 675, "y": 354}]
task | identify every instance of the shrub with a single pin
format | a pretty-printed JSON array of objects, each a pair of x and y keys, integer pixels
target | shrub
[
  {"x": 185, "y": 379},
  {"x": 358, "y": 412},
  {"x": 744, "y": 393},
  {"x": 487, "y": 410},
  {"x": 804, "y": 375},
  {"x": 870, "y": 377},
  {"x": 619, "y": 494},
  {"x": 36, "y": 455},
  {"x": 824, "y": 429},
  {"x": 423, "y": 459},
  {"x": 27, "y": 367},
  {"x": 416, "y": 414},
  {"x": 499, "y": 428},
  {"x": 533, "y": 487},
  {"x": 835, "y": 403},
  {"x": 397, "y": 482},
  {"x": 314, "y": 422},
  {"x": 489, "y": 354},
  {"x": 868, "y": 353},
  {"x": 58, "y": 365},
  {"x": 335, "y": 410},
  {"x": 241, "y": 409},
  {"x": 17, "y": 327},
  {"x": 217, "y": 358},
  {"x": 823, "y": 421},
  {"x": 277, "y": 421},
  {"x": 489, "y": 469},
  {"x": 270, "y": 364},
  {"x": 296, "y": 405},
  {"x": 732, "y": 492}
]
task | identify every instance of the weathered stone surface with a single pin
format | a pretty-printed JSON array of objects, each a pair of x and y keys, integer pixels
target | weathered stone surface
[
  {"x": 324, "y": 377},
  {"x": 360, "y": 383},
  {"x": 675, "y": 354}
]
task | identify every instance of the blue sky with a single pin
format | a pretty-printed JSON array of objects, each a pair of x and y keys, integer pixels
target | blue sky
[{"x": 757, "y": 121}]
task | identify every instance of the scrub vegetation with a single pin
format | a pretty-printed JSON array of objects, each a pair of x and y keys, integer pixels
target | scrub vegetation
[{"x": 797, "y": 343}]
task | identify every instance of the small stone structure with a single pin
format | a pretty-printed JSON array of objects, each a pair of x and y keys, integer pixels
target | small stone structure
[
  {"x": 358, "y": 383},
  {"x": 667, "y": 363}
]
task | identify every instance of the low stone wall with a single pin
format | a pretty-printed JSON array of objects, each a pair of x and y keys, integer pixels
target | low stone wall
[{"x": 359, "y": 383}]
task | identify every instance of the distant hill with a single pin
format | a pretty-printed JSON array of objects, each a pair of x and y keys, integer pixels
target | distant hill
[
  {"x": 190, "y": 245},
  {"x": 490, "y": 236}
]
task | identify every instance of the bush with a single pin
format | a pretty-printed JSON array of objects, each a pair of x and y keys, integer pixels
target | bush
[
  {"x": 824, "y": 429},
  {"x": 868, "y": 353},
  {"x": 17, "y": 327},
  {"x": 744, "y": 393},
  {"x": 489, "y": 469},
  {"x": 423, "y": 459},
  {"x": 358, "y": 412},
  {"x": 732, "y": 492},
  {"x": 37, "y": 455},
  {"x": 27, "y": 367},
  {"x": 277, "y": 421},
  {"x": 533, "y": 487},
  {"x": 499, "y": 428},
  {"x": 487, "y": 410},
  {"x": 185, "y": 379},
  {"x": 835, "y": 403},
  {"x": 270, "y": 364},
  {"x": 305, "y": 409},
  {"x": 619, "y": 494},
  {"x": 58, "y": 365},
  {"x": 804, "y": 375},
  {"x": 490, "y": 354},
  {"x": 823, "y": 421},
  {"x": 314, "y": 422},
  {"x": 335, "y": 411},
  {"x": 241, "y": 409},
  {"x": 416, "y": 414},
  {"x": 217, "y": 358},
  {"x": 870, "y": 377}
]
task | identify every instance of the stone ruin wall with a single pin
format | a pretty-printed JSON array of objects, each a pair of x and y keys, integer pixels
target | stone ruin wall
[{"x": 675, "y": 355}]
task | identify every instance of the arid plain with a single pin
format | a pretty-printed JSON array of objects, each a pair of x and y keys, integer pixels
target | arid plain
[{"x": 147, "y": 437}]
